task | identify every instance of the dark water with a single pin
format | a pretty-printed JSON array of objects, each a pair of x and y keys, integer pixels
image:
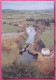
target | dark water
[{"x": 25, "y": 56}]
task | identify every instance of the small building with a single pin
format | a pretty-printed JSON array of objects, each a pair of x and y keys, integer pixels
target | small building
[
  {"x": 20, "y": 25},
  {"x": 45, "y": 51}
]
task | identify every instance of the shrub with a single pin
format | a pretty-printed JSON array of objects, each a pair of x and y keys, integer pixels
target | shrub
[
  {"x": 30, "y": 19},
  {"x": 47, "y": 22},
  {"x": 52, "y": 21},
  {"x": 15, "y": 24},
  {"x": 10, "y": 23},
  {"x": 4, "y": 22},
  {"x": 21, "y": 71},
  {"x": 41, "y": 44},
  {"x": 36, "y": 21}
]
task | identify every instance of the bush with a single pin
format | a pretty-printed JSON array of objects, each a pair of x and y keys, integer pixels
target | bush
[
  {"x": 52, "y": 21},
  {"x": 36, "y": 21},
  {"x": 30, "y": 19},
  {"x": 21, "y": 71},
  {"x": 15, "y": 24},
  {"x": 10, "y": 23},
  {"x": 4, "y": 22},
  {"x": 47, "y": 22},
  {"x": 41, "y": 44}
]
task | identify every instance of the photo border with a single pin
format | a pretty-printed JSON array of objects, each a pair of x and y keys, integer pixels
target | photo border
[{"x": 54, "y": 41}]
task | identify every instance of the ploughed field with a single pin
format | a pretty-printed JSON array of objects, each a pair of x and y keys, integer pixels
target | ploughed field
[{"x": 17, "y": 22}]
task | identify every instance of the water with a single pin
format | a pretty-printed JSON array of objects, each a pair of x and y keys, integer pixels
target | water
[
  {"x": 11, "y": 34},
  {"x": 31, "y": 36},
  {"x": 25, "y": 56}
]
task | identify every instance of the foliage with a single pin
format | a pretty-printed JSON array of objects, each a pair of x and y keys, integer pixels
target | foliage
[
  {"x": 41, "y": 44},
  {"x": 22, "y": 70},
  {"x": 30, "y": 19},
  {"x": 47, "y": 22},
  {"x": 4, "y": 22}
]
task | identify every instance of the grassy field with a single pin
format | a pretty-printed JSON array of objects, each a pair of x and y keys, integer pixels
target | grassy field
[
  {"x": 14, "y": 16},
  {"x": 27, "y": 14},
  {"x": 19, "y": 17},
  {"x": 48, "y": 38},
  {"x": 11, "y": 29}
]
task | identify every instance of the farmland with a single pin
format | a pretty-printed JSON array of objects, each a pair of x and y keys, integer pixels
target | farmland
[
  {"x": 10, "y": 28},
  {"x": 48, "y": 38},
  {"x": 16, "y": 22}
]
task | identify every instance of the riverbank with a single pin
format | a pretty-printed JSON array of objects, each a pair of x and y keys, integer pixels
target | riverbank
[
  {"x": 11, "y": 46},
  {"x": 43, "y": 63},
  {"x": 11, "y": 34},
  {"x": 28, "y": 30}
]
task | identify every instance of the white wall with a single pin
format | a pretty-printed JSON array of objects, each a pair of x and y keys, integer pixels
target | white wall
[{"x": 45, "y": 52}]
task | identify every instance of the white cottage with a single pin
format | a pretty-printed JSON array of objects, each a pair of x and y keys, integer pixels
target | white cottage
[{"x": 45, "y": 51}]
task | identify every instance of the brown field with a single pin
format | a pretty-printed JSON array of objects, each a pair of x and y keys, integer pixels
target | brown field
[{"x": 11, "y": 48}]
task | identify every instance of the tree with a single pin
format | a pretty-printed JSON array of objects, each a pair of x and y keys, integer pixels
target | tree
[{"x": 47, "y": 22}]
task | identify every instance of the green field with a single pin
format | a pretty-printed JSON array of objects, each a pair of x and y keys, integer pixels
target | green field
[
  {"x": 48, "y": 38},
  {"x": 6, "y": 28},
  {"x": 19, "y": 17},
  {"x": 28, "y": 14},
  {"x": 14, "y": 16}
]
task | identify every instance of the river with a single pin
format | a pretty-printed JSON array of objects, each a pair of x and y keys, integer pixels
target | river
[{"x": 25, "y": 56}]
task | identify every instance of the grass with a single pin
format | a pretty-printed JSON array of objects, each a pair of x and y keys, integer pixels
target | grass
[
  {"x": 28, "y": 14},
  {"x": 11, "y": 49},
  {"x": 23, "y": 45},
  {"x": 30, "y": 22},
  {"x": 15, "y": 16},
  {"x": 21, "y": 71},
  {"x": 10, "y": 28},
  {"x": 48, "y": 38},
  {"x": 10, "y": 45}
]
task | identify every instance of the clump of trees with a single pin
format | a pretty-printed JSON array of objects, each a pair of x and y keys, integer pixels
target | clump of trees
[
  {"x": 47, "y": 22},
  {"x": 41, "y": 44},
  {"x": 52, "y": 20},
  {"x": 4, "y": 22},
  {"x": 30, "y": 19},
  {"x": 10, "y": 23},
  {"x": 21, "y": 71},
  {"x": 36, "y": 21},
  {"x": 15, "y": 25},
  {"x": 36, "y": 26}
]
